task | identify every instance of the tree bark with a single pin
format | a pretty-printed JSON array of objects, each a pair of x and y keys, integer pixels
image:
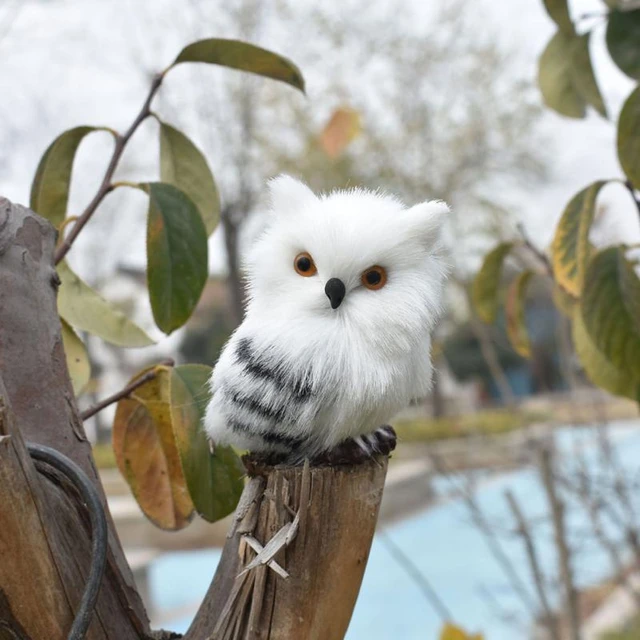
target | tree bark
[
  {"x": 333, "y": 511},
  {"x": 234, "y": 278},
  {"x": 491, "y": 358},
  {"x": 34, "y": 375},
  {"x": 27, "y": 557},
  {"x": 437, "y": 397}
]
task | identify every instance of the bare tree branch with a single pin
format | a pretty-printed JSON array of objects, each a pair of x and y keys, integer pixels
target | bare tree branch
[
  {"x": 124, "y": 393},
  {"x": 106, "y": 186},
  {"x": 564, "y": 552},
  {"x": 524, "y": 532}
]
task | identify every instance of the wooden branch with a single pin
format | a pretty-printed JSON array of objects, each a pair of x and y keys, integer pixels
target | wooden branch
[
  {"x": 539, "y": 255},
  {"x": 317, "y": 525},
  {"x": 562, "y": 546},
  {"x": 106, "y": 186},
  {"x": 34, "y": 373},
  {"x": 536, "y": 571},
  {"x": 632, "y": 190},
  {"x": 123, "y": 393}
]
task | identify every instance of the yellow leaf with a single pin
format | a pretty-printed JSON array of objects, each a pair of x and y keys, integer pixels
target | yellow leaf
[
  {"x": 515, "y": 313},
  {"x": 452, "y": 632},
  {"x": 146, "y": 453},
  {"x": 85, "y": 309},
  {"x": 343, "y": 126},
  {"x": 571, "y": 250},
  {"x": 77, "y": 358},
  {"x": 484, "y": 290}
]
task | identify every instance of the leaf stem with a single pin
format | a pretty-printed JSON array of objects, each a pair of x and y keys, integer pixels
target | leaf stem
[
  {"x": 124, "y": 393},
  {"x": 106, "y": 186},
  {"x": 535, "y": 251},
  {"x": 63, "y": 226},
  {"x": 592, "y": 15},
  {"x": 629, "y": 185},
  {"x": 125, "y": 183}
]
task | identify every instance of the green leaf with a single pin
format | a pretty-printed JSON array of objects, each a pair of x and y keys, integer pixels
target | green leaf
[
  {"x": 556, "y": 77},
  {"x": 177, "y": 261},
  {"x": 515, "y": 314},
  {"x": 184, "y": 166},
  {"x": 623, "y": 41},
  {"x": 570, "y": 249},
  {"x": 77, "y": 358},
  {"x": 559, "y": 13},
  {"x": 583, "y": 76},
  {"x": 597, "y": 367},
  {"x": 609, "y": 309},
  {"x": 244, "y": 57},
  {"x": 50, "y": 187},
  {"x": 146, "y": 453},
  {"x": 484, "y": 290},
  {"x": 215, "y": 480},
  {"x": 85, "y": 309},
  {"x": 628, "y": 138}
]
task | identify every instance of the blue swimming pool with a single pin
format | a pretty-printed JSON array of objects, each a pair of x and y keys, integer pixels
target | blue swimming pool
[{"x": 450, "y": 552}]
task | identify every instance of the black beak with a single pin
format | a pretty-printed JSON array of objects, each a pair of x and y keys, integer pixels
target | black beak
[{"x": 335, "y": 291}]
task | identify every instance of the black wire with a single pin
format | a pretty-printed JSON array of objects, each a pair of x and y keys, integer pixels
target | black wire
[{"x": 98, "y": 530}]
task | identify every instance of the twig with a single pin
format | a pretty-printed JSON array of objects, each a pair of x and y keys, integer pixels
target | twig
[
  {"x": 542, "y": 257},
  {"x": 488, "y": 533},
  {"x": 592, "y": 507},
  {"x": 123, "y": 393},
  {"x": 560, "y": 535},
  {"x": 496, "y": 608},
  {"x": 425, "y": 586},
  {"x": 106, "y": 186},
  {"x": 629, "y": 185},
  {"x": 536, "y": 571},
  {"x": 592, "y": 15}
]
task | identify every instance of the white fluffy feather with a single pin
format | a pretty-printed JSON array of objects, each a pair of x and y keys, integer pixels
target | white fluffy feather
[{"x": 297, "y": 376}]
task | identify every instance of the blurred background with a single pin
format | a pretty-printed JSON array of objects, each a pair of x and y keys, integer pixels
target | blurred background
[{"x": 425, "y": 100}]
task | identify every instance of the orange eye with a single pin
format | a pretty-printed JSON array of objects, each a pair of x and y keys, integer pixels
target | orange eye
[
  {"x": 374, "y": 278},
  {"x": 304, "y": 265}
]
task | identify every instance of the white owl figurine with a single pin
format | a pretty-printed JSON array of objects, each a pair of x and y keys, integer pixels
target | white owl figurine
[{"x": 344, "y": 292}]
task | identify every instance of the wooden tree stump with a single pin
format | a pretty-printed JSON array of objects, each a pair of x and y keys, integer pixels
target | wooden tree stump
[
  {"x": 35, "y": 385},
  {"x": 295, "y": 555},
  {"x": 28, "y": 557}
]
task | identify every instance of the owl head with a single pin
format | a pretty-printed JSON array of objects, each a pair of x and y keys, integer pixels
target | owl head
[{"x": 353, "y": 261}]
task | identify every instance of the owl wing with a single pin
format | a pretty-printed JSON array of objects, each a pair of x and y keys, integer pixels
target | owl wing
[{"x": 257, "y": 403}]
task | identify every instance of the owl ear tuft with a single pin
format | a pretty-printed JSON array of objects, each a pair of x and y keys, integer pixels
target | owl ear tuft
[
  {"x": 289, "y": 195},
  {"x": 427, "y": 219}
]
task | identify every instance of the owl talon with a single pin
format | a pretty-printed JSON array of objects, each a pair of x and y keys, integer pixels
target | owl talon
[{"x": 360, "y": 449}]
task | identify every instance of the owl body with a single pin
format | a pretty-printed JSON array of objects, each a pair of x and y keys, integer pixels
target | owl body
[{"x": 344, "y": 291}]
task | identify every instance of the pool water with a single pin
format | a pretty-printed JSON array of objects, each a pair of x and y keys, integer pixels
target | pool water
[{"x": 449, "y": 551}]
